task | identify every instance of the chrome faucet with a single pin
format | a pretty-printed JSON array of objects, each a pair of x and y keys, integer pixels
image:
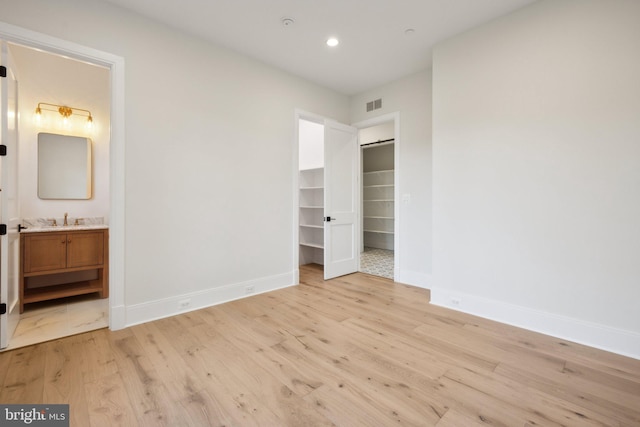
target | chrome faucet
[{"x": 65, "y": 218}]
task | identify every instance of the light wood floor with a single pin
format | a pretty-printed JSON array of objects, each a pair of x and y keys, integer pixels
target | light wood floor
[{"x": 354, "y": 351}]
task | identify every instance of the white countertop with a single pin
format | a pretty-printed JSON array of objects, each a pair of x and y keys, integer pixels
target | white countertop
[{"x": 51, "y": 228}]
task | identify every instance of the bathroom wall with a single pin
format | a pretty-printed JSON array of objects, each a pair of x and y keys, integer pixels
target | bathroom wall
[{"x": 43, "y": 77}]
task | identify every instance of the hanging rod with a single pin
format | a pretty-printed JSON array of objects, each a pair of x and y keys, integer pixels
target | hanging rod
[{"x": 377, "y": 142}]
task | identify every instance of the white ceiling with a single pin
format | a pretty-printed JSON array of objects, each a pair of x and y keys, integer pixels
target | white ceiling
[{"x": 373, "y": 50}]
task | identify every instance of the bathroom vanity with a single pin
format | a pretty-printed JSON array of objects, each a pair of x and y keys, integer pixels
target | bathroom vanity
[{"x": 64, "y": 261}]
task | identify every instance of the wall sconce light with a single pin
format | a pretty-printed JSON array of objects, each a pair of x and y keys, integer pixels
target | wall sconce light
[{"x": 64, "y": 111}]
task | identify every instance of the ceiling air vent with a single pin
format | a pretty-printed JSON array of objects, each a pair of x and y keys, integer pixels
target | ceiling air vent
[{"x": 374, "y": 105}]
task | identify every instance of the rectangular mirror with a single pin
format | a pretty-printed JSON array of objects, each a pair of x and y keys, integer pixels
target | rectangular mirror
[{"x": 64, "y": 167}]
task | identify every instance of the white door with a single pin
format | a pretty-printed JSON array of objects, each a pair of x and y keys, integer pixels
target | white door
[
  {"x": 9, "y": 203},
  {"x": 340, "y": 199}
]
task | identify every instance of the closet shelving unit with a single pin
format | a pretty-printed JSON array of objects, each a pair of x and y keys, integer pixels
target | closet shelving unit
[
  {"x": 378, "y": 209},
  {"x": 311, "y": 233}
]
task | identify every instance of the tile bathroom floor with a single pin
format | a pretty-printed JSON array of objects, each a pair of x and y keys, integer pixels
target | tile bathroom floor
[
  {"x": 51, "y": 320},
  {"x": 378, "y": 262}
]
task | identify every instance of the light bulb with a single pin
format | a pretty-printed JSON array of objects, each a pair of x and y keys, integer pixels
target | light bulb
[{"x": 333, "y": 42}]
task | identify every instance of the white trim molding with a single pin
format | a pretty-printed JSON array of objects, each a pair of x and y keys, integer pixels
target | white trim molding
[
  {"x": 167, "y": 307},
  {"x": 620, "y": 341}
]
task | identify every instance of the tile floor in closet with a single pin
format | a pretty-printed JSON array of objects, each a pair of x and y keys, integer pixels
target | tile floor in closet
[{"x": 378, "y": 262}]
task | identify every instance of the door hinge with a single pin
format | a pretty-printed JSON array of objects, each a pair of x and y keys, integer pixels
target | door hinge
[
  {"x": 3, "y": 229},
  {"x": 3, "y": 150},
  {"x": 3, "y": 308},
  {"x": 3, "y": 71}
]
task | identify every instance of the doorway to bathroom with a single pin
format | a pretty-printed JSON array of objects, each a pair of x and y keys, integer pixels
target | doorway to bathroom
[{"x": 48, "y": 78}]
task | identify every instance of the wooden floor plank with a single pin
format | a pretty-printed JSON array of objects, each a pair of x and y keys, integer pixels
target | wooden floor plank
[
  {"x": 24, "y": 381},
  {"x": 108, "y": 402},
  {"x": 63, "y": 381},
  {"x": 353, "y": 351}
]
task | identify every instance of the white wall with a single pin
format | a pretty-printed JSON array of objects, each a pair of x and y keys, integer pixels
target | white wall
[
  {"x": 49, "y": 78},
  {"x": 311, "y": 148},
  {"x": 537, "y": 171},
  {"x": 377, "y": 133},
  {"x": 411, "y": 96},
  {"x": 209, "y": 137}
]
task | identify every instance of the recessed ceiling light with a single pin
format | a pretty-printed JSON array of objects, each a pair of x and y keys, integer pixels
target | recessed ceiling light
[
  {"x": 287, "y": 22},
  {"x": 332, "y": 42},
  {"x": 409, "y": 32}
]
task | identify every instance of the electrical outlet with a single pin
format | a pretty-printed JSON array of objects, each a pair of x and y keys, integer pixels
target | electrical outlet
[
  {"x": 455, "y": 301},
  {"x": 249, "y": 290},
  {"x": 184, "y": 304}
]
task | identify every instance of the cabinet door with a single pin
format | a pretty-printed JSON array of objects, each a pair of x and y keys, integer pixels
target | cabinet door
[
  {"x": 45, "y": 251},
  {"x": 85, "y": 249}
]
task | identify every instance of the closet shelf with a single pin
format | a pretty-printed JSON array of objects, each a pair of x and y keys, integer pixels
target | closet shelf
[
  {"x": 311, "y": 227},
  {"x": 312, "y": 245},
  {"x": 372, "y": 172},
  {"x": 378, "y": 199},
  {"x": 378, "y": 231}
]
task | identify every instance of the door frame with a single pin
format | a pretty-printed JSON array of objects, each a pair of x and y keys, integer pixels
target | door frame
[
  {"x": 374, "y": 121},
  {"x": 115, "y": 64},
  {"x": 315, "y": 118}
]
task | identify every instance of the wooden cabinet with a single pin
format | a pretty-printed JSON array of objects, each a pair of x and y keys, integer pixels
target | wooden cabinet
[{"x": 66, "y": 263}]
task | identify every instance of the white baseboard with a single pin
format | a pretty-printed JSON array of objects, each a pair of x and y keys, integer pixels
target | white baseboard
[
  {"x": 620, "y": 341},
  {"x": 413, "y": 278},
  {"x": 166, "y": 307}
]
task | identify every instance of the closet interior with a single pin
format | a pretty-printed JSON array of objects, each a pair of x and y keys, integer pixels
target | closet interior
[
  {"x": 311, "y": 192},
  {"x": 378, "y": 200}
]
